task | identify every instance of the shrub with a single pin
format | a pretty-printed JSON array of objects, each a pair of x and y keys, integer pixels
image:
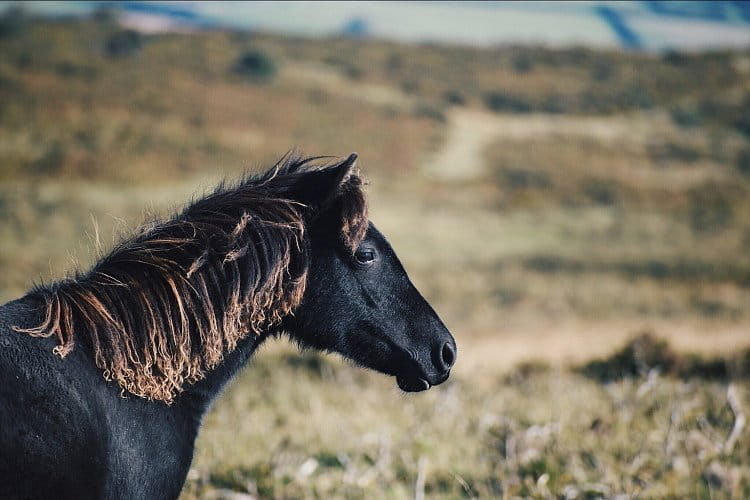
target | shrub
[
  {"x": 12, "y": 22},
  {"x": 394, "y": 64},
  {"x": 554, "y": 103},
  {"x": 641, "y": 354},
  {"x": 682, "y": 153},
  {"x": 454, "y": 97},
  {"x": 519, "y": 178},
  {"x": 742, "y": 124},
  {"x": 636, "y": 96},
  {"x": 686, "y": 117},
  {"x": 710, "y": 208},
  {"x": 353, "y": 72},
  {"x": 410, "y": 86},
  {"x": 502, "y": 102},
  {"x": 602, "y": 70},
  {"x": 645, "y": 352},
  {"x": 675, "y": 58},
  {"x": 105, "y": 14},
  {"x": 522, "y": 63},
  {"x": 123, "y": 43},
  {"x": 600, "y": 192},
  {"x": 255, "y": 65},
  {"x": 67, "y": 69},
  {"x": 743, "y": 163},
  {"x": 429, "y": 111},
  {"x": 50, "y": 162}
]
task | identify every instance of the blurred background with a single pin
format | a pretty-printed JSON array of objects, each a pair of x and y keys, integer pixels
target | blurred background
[{"x": 567, "y": 183}]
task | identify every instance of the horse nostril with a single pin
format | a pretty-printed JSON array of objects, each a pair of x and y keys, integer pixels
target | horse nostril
[{"x": 448, "y": 355}]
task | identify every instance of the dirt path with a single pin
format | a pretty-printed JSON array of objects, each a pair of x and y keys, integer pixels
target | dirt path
[
  {"x": 462, "y": 154},
  {"x": 470, "y": 132}
]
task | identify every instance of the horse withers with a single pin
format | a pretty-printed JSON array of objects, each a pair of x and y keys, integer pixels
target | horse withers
[{"x": 105, "y": 375}]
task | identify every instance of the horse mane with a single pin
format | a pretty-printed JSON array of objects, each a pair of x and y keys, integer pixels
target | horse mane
[{"x": 164, "y": 307}]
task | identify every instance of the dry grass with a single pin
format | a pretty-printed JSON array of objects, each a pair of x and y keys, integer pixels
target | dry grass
[
  {"x": 548, "y": 203},
  {"x": 309, "y": 427}
]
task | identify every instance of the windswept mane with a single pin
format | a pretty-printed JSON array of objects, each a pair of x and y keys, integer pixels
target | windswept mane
[{"x": 164, "y": 307}]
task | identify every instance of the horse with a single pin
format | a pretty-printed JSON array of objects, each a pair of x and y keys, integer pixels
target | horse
[{"x": 106, "y": 374}]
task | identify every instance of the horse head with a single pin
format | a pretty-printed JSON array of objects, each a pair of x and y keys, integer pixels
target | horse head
[{"x": 359, "y": 300}]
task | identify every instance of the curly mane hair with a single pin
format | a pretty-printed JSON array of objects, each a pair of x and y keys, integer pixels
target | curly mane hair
[{"x": 164, "y": 307}]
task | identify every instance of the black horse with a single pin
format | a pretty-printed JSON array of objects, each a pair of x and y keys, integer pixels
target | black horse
[{"x": 105, "y": 376}]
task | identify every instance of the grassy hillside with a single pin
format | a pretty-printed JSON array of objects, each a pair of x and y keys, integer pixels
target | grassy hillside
[{"x": 549, "y": 203}]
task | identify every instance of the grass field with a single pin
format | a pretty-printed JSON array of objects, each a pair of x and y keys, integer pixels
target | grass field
[{"x": 551, "y": 204}]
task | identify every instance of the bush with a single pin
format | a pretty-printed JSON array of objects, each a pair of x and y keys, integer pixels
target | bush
[
  {"x": 686, "y": 117},
  {"x": 602, "y": 70},
  {"x": 710, "y": 208},
  {"x": 105, "y": 14},
  {"x": 12, "y": 22},
  {"x": 743, "y": 163},
  {"x": 67, "y": 69},
  {"x": 640, "y": 355},
  {"x": 675, "y": 58},
  {"x": 674, "y": 151},
  {"x": 646, "y": 352},
  {"x": 123, "y": 43},
  {"x": 424, "y": 110},
  {"x": 354, "y": 72},
  {"x": 454, "y": 97},
  {"x": 635, "y": 96},
  {"x": 394, "y": 64},
  {"x": 410, "y": 86},
  {"x": 255, "y": 65},
  {"x": 742, "y": 124},
  {"x": 520, "y": 178},
  {"x": 600, "y": 192},
  {"x": 501, "y": 102},
  {"x": 51, "y": 161},
  {"x": 522, "y": 63},
  {"x": 554, "y": 103}
]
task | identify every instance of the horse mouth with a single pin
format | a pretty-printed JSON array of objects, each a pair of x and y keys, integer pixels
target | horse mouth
[{"x": 412, "y": 384}]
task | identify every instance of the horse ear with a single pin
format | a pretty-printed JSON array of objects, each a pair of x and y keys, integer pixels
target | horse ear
[{"x": 319, "y": 187}]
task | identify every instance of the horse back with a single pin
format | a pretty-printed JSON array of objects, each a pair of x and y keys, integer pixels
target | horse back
[
  {"x": 65, "y": 432},
  {"x": 52, "y": 443}
]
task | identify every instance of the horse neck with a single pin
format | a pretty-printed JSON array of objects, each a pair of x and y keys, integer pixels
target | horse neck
[{"x": 202, "y": 394}]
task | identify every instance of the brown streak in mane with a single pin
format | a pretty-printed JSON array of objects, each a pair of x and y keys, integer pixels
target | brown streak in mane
[{"x": 164, "y": 308}]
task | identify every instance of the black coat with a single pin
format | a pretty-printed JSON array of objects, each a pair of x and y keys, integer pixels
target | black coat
[{"x": 81, "y": 437}]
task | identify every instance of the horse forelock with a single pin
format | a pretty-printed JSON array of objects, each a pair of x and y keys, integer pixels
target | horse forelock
[{"x": 163, "y": 308}]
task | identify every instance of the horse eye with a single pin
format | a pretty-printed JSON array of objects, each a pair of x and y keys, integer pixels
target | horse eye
[{"x": 364, "y": 255}]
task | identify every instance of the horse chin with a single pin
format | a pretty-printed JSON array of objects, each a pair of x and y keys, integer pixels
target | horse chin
[{"x": 412, "y": 384}]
